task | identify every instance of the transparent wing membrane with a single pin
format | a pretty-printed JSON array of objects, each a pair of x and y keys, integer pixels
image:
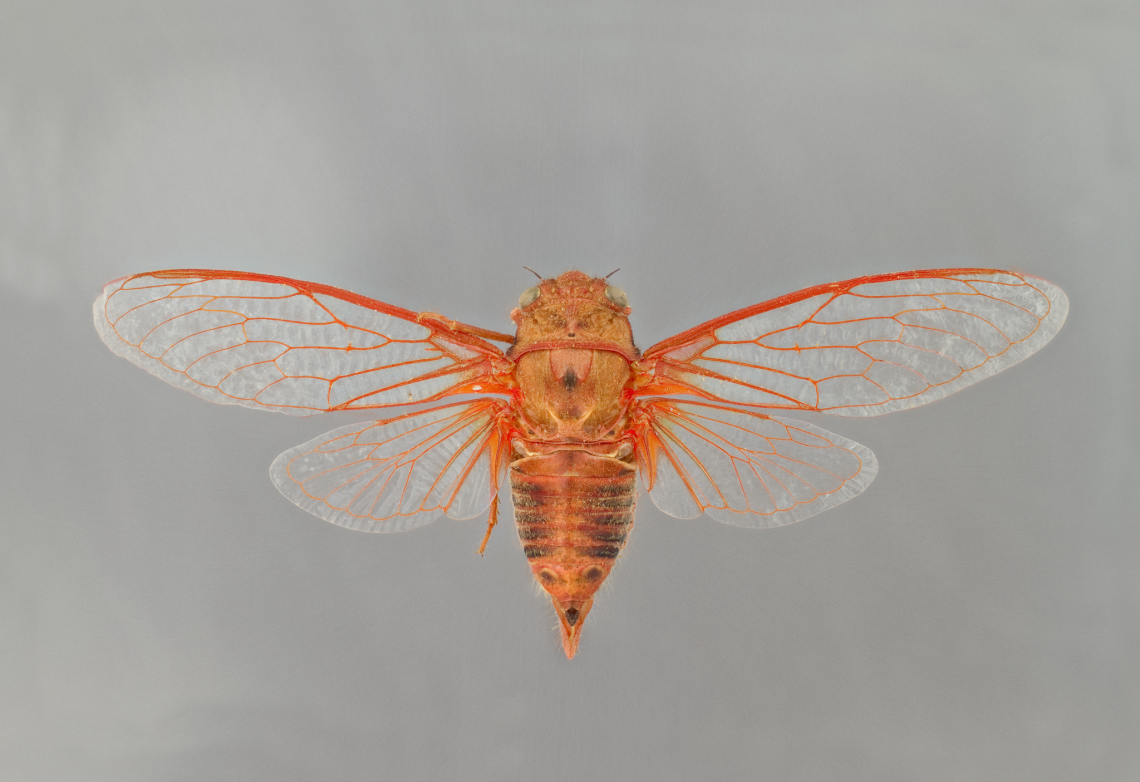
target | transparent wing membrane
[
  {"x": 866, "y": 346},
  {"x": 400, "y": 473},
  {"x": 745, "y": 468},
  {"x": 858, "y": 348},
  {"x": 277, "y": 344}
]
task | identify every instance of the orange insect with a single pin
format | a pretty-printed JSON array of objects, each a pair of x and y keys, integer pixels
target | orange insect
[{"x": 572, "y": 410}]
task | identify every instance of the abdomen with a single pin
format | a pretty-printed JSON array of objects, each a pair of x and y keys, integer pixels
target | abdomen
[{"x": 574, "y": 511}]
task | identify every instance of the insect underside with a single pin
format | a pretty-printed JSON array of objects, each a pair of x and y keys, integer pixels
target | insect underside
[
  {"x": 572, "y": 412},
  {"x": 574, "y": 482}
]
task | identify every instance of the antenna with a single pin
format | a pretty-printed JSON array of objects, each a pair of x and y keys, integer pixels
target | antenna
[
  {"x": 532, "y": 271},
  {"x": 611, "y": 274}
]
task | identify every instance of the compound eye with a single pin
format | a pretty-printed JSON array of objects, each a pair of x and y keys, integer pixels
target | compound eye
[
  {"x": 528, "y": 296},
  {"x": 616, "y": 295}
]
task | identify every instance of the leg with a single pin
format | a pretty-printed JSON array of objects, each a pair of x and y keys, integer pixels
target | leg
[{"x": 492, "y": 520}]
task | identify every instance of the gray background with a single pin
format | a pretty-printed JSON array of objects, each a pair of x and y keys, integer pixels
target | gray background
[{"x": 166, "y": 615}]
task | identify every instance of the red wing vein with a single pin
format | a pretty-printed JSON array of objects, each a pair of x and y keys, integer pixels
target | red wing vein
[
  {"x": 196, "y": 329},
  {"x": 863, "y": 347},
  {"x": 696, "y": 461},
  {"x": 759, "y": 470},
  {"x": 398, "y": 473}
]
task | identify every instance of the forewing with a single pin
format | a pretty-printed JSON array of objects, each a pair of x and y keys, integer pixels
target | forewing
[
  {"x": 745, "y": 468},
  {"x": 400, "y": 473},
  {"x": 863, "y": 347},
  {"x": 278, "y": 344}
]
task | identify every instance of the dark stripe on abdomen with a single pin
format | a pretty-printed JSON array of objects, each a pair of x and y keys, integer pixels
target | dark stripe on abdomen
[{"x": 573, "y": 505}]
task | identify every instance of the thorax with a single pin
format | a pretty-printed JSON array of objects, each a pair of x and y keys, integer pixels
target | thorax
[
  {"x": 572, "y": 394},
  {"x": 572, "y": 357}
]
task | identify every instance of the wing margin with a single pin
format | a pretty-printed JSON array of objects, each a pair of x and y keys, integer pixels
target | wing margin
[
  {"x": 862, "y": 347},
  {"x": 273, "y": 343},
  {"x": 403, "y": 472},
  {"x": 745, "y": 468}
]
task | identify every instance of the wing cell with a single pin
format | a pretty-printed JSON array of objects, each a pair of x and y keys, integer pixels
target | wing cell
[
  {"x": 863, "y": 347},
  {"x": 399, "y": 473},
  {"x": 293, "y": 347},
  {"x": 745, "y": 468}
]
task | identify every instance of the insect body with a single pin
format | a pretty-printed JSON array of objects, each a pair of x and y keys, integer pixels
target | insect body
[
  {"x": 574, "y": 483},
  {"x": 572, "y": 412}
]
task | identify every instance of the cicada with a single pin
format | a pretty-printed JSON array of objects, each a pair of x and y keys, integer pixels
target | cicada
[{"x": 571, "y": 411}]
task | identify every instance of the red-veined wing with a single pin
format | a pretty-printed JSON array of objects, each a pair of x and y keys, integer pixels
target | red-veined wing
[
  {"x": 745, "y": 468},
  {"x": 278, "y": 344},
  {"x": 863, "y": 347},
  {"x": 400, "y": 473}
]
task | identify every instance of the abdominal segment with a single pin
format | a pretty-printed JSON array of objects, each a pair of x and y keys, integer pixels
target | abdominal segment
[{"x": 574, "y": 510}]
